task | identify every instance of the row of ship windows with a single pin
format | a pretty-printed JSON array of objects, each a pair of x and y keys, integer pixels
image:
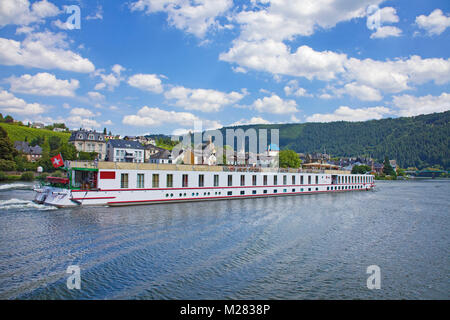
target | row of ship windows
[
  {"x": 140, "y": 181},
  {"x": 242, "y": 192}
]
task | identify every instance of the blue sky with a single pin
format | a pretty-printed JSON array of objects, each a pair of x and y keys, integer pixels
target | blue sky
[{"x": 157, "y": 66}]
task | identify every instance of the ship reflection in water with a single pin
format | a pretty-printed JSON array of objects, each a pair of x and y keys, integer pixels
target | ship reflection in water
[{"x": 313, "y": 246}]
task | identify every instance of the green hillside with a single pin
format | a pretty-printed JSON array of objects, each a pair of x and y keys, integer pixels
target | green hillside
[
  {"x": 19, "y": 133},
  {"x": 419, "y": 141}
]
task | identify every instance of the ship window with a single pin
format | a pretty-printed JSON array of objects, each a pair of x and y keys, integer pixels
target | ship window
[
  {"x": 265, "y": 180},
  {"x": 293, "y": 179},
  {"x": 301, "y": 189},
  {"x": 230, "y": 180},
  {"x": 155, "y": 180},
  {"x": 275, "y": 191},
  {"x": 185, "y": 181},
  {"x": 317, "y": 179},
  {"x": 293, "y": 190},
  {"x": 242, "y": 192},
  {"x": 140, "y": 180},
  {"x": 254, "y": 180},
  {"x": 265, "y": 191},
  {"x": 284, "y": 190},
  {"x": 254, "y": 192},
  {"x": 328, "y": 188},
  {"x": 309, "y": 189},
  {"x": 317, "y": 189},
  {"x": 201, "y": 180},
  {"x": 169, "y": 181},
  {"x": 275, "y": 180},
  {"x": 229, "y": 193},
  {"x": 216, "y": 180},
  {"x": 124, "y": 180},
  {"x": 309, "y": 179},
  {"x": 242, "y": 180},
  {"x": 285, "y": 180},
  {"x": 301, "y": 179}
]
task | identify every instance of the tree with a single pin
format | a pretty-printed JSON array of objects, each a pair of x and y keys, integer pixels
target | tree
[
  {"x": 68, "y": 151},
  {"x": 37, "y": 141},
  {"x": 104, "y": 131},
  {"x": 7, "y": 150},
  {"x": 362, "y": 169},
  {"x": 387, "y": 168},
  {"x": 54, "y": 142},
  {"x": 289, "y": 159},
  {"x": 9, "y": 119}
]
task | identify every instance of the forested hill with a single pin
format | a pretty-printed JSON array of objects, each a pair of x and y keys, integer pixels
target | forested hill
[{"x": 419, "y": 141}]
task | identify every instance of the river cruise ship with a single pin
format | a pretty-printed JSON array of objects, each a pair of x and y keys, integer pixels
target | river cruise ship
[{"x": 118, "y": 183}]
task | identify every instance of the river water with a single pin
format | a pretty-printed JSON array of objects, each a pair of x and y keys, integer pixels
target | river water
[{"x": 296, "y": 247}]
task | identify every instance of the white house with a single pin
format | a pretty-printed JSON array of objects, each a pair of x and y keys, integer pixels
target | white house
[{"x": 124, "y": 151}]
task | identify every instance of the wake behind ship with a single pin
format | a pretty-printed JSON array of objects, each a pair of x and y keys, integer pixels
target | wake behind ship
[{"x": 116, "y": 183}]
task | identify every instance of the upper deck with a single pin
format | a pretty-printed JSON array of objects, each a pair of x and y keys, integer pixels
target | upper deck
[{"x": 105, "y": 165}]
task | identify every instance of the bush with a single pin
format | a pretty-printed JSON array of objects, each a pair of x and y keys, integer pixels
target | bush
[
  {"x": 7, "y": 165},
  {"x": 3, "y": 176},
  {"x": 27, "y": 176},
  {"x": 42, "y": 176}
]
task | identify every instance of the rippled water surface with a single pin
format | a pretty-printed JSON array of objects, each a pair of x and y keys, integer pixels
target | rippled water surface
[{"x": 298, "y": 247}]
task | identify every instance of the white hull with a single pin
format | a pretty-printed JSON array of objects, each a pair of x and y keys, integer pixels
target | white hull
[
  {"x": 72, "y": 198},
  {"x": 144, "y": 184}
]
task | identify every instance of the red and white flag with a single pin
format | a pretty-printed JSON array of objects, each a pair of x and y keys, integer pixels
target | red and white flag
[{"x": 57, "y": 161}]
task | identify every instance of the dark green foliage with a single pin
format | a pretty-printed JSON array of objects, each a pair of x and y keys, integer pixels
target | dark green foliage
[
  {"x": 27, "y": 176},
  {"x": 7, "y": 150},
  {"x": 289, "y": 159},
  {"x": 8, "y": 119},
  {"x": 54, "y": 142},
  {"x": 362, "y": 169},
  {"x": 387, "y": 168},
  {"x": 7, "y": 165},
  {"x": 87, "y": 155},
  {"x": 38, "y": 141},
  {"x": 420, "y": 141}
]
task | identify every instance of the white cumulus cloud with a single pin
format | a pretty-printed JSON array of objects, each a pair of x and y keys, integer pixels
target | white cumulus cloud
[
  {"x": 192, "y": 16},
  {"x": 44, "y": 84},
  {"x": 435, "y": 23},
  {"x": 411, "y": 106},
  {"x": 19, "y": 12},
  {"x": 345, "y": 113},
  {"x": 275, "y": 105},
  {"x": 11, "y": 104},
  {"x": 147, "y": 82},
  {"x": 44, "y": 50},
  {"x": 205, "y": 100}
]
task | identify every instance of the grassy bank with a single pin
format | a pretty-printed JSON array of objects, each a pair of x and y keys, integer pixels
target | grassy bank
[
  {"x": 26, "y": 176},
  {"x": 20, "y": 133}
]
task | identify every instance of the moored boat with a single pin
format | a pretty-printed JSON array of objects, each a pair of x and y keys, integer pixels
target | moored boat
[{"x": 118, "y": 183}]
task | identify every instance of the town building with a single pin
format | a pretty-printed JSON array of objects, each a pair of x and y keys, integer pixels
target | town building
[
  {"x": 37, "y": 125},
  {"x": 150, "y": 150},
  {"x": 124, "y": 151},
  {"x": 33, "y": 154},
  {"x": 89, "y": 141},
  {"x": 163, "y": 156}
]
